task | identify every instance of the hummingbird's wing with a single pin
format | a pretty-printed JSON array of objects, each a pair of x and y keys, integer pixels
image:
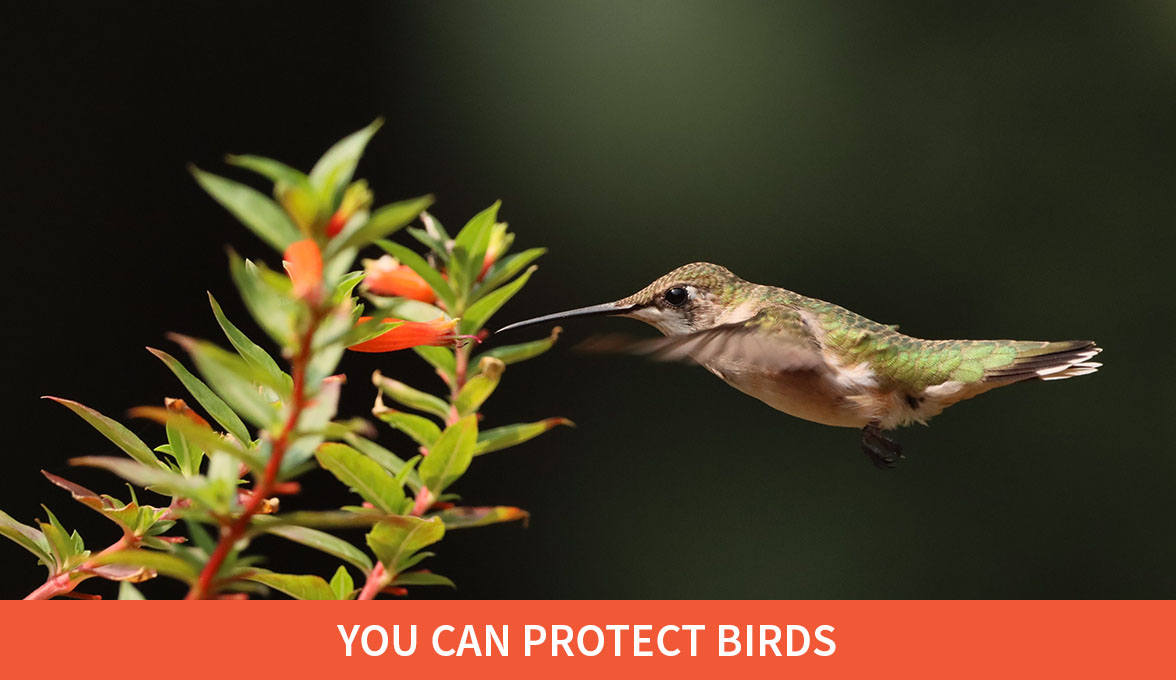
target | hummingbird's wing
[{"x": 776, "y": 339}]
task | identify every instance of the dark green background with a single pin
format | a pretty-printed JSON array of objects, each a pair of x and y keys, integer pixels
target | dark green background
[{"x": 964, "y": 169}]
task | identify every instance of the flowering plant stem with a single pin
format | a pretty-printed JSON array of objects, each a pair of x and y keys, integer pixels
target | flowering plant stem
[{"x": 232, "y": 532}]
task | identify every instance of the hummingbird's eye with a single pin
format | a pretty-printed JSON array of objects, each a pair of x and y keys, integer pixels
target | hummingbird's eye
[{"x": 677, "y": 296}]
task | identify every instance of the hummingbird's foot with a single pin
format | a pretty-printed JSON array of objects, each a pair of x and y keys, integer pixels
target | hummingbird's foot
[{"x": 881, "y": 449}]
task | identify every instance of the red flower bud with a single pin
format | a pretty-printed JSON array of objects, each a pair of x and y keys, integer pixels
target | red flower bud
[
  {"x": 386, "y": 276},
  {"x": 304, "y": 264}
]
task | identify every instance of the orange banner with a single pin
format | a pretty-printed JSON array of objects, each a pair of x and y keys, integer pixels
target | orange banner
[{"x": 501, "y": 639}]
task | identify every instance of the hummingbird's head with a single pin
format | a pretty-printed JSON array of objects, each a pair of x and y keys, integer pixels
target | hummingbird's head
[{"x": 689, "y": 299}]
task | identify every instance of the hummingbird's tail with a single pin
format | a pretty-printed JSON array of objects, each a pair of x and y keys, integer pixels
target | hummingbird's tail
[{"x": 1048, "y": 361}]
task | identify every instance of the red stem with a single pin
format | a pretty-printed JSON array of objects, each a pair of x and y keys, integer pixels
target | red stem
[
  {"x": 374, "y": 583},
  {"x": 203, "y": 587}
]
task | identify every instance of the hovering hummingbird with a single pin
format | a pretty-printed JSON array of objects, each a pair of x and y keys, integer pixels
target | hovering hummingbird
[{"x": 820, "y": 362}]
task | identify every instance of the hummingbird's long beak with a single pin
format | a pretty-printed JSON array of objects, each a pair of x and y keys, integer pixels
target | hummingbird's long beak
[{"x": 608, "y": 308}]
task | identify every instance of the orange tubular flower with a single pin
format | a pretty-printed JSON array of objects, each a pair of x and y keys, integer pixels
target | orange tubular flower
[
  {"x": 437, "y": 332},
  {"x": 304, "y": 264},
  {"x": 386, "y": 276}
]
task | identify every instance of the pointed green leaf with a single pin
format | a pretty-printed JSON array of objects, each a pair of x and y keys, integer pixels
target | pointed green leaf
[
  {"x": 297, "y": 586},
  {"x": 332, "y": 173},
  {"x": 396, "y": 539},
  {"x": 418, "y": 264},
  {"x": 342, "y": 585},
  {"x": 324, "y": 519},
  {"x": 26, "y": 537},
  {"x": 163, "y": 563},
  {"x": 423, "y": 431},
  {"x": 498, "y": 438},
  {"x": 469, "y": 249},
  {"x": 255, "y": 210},
  {"x": 67, "y": 553},
  {"x": 440, "y": 358},
  {"x": 249, "y": 350},
  {"x": 434, "y": 244},
  {"x": 201, "y": 435},
  {"x": 449, "y": 458},
  {"x": 274, "y": 310},
  {"x": 481, "y": 311},
  {"x": 275, "y": 171},
  {"x": 422, "y": 578},
  {"x": 387, "y": 460},
  {"x": 385, "y": 221},
  {"x": 362, "y": 474},
  {"x": 188, "y": 456},
  {"x": 234, "y": 380},
  {"x": 467, "y": 517},
  {"x": 513, "y": 354},
  {"x": 115, "y": 432},
  {"x": 146, "y": 476},
  {"x": 505, "y": 269},
  {"x": 322, "y": 541},
  {"x": 411, "y": 397},
  {"x": 214, "y": 405}
]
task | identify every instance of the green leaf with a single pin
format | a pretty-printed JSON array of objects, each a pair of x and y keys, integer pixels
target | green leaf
[
  {"x": 481, "y": 311},
  {"x": 469, "y": 249},
  {"x": 422, "y": 578},
  {"x": 127, "y": 591},
  {"x": 362, "y": 474},
  {"x": 160, "y": 562},
  {"x": 332, "y": 173},
  {"x": 234, "y": 380},
  {"x": 396, "y": 539},
  {"x": 467, "y": 517},
  {"x": 67, "y": 553},
  {"x": 384, "y": 222},
  {"x": 297, "y": 586},
  {"x": 411, "y": 397},
  {"x": 513, "y": 354},
  {"x": 434, "y": 244},
  {"x": 133, "y": 519},
  {"x": 276, "y": 171},
  {"x": 115, "y": 432},
  {"x": 418, "y": 264},
  {"x": 440, "y": 358},
  {"x": 274, "y": 310},
  {"x": 187, "y": 455},
  {"x": 423, "y": 431},
  {"x": 26, "y": 537},
  {"x": 479, "y": 388},
  {"x": 505, "y": 269},
  {"x": 249, "y": 350},
  {"x": 498, "y": 438},
  {"x": 200, "y": 435},
  {"x": 450, "y": 456},
  {"x": 387, "y": 460},
  {"x": 342, "y": 585},
  {"x": 325, "y": 519},
  {"x": 324, "y": 542},
  {"x": 146, "y": 476},
  {"x": 255, "y": 210},
  {"x": 214, "y": 405}
]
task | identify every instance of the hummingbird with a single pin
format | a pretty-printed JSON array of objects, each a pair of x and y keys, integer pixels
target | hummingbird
[{"x": 820, "y": 362}]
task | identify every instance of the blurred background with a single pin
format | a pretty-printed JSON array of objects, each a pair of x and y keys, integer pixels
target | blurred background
[{"x": 965, "y": 169}]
